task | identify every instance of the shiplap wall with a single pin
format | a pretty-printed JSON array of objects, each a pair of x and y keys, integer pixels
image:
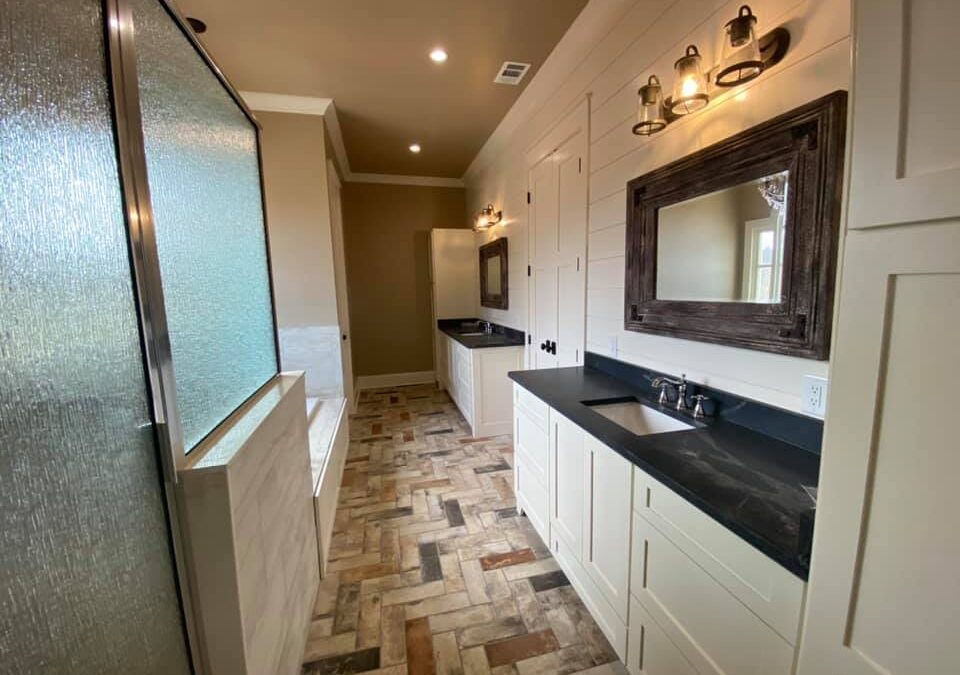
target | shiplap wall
[{"x": 647, "y": 38}]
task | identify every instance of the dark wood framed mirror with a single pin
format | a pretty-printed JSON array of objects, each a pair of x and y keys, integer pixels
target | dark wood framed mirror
[
  {"x": 737, "y": 244},
  {"x": 493, "y": 275}
]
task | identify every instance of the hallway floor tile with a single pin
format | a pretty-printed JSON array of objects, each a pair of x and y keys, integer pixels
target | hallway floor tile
[{"x": 431, "y": 569}]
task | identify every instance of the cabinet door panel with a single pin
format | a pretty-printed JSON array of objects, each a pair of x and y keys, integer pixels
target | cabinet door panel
[
  {"x": 607, "y": 554},
  {"x": 713, "y": 629},
  {"x": 767, "y": 588},
  {"x": 649, "y": 650},
  {"x": 567, "y": 481}
]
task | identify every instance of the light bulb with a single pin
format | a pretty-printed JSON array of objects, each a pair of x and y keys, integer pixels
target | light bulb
[{"x": 689, "y": 86}]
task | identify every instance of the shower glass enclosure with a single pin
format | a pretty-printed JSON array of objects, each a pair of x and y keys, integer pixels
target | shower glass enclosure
[{"x": 136, "y": 315}]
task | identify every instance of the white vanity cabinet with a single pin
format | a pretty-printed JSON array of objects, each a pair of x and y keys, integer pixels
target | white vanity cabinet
[
  {"x": 588, "y": 490},
  {"x": 674, "y": 591},
  {"x": 477, "y": 381}
]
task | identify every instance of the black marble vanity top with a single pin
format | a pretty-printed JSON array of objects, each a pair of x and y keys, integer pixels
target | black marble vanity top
[
  {"x": 746, "y": 465},
  {"x": 500, "y": 336}
]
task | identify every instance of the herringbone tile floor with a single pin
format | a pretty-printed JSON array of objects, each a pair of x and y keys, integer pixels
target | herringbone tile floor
[{"x": 431, "y": 569}]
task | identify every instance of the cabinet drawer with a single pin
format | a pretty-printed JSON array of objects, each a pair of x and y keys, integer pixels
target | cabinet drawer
[
  {"x": 763, "y": 585},
  {"x": 533, "y": 444},
  {"x": 712, "y": 628},
  {"x": 649, "y": 650},
  {"x": 533, "y": 406}
]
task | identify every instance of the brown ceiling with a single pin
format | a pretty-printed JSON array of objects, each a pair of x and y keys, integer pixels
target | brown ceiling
[{"x": 370, "y": 57}]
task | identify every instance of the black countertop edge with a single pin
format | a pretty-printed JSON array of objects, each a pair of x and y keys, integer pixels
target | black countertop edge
[
  {"x": 500, "y": 336},
  {"x": 751, "y": 483}
]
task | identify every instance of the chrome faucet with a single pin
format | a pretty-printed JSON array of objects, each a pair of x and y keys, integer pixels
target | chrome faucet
[{"x": 681, "y": 386}]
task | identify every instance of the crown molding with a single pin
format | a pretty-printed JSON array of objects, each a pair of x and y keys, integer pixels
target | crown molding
[
  {"x": 392, "y": 179},
  {"x": 336, "y": 140},
  {"x": 326, "y": 108}
]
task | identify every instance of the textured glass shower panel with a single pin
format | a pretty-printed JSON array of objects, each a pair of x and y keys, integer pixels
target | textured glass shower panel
[
  {"x": 205, "y": 187},
  {"x": 86, "y": 577}
]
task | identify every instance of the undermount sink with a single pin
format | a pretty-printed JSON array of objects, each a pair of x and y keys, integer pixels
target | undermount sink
[{"x": 636, "y": 417}]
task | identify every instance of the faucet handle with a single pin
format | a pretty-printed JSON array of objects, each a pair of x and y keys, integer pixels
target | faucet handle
[{"x": 698, "y": 405}]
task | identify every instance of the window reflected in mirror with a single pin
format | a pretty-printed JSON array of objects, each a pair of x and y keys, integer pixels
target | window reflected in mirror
[{"x": 725, "y": 246}]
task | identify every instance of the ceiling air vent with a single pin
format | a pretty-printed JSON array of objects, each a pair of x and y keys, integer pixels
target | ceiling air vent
[{"x": 511, "y": 72}]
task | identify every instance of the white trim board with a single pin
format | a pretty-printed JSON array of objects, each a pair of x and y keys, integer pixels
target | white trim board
[
  {"x": 395, "y": 379},
  {"x": 305, "y": 105},
  {"x": 326, "y": 108}
]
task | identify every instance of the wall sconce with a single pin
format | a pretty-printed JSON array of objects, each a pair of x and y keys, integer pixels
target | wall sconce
[
  {"x": 741, "y": 60},
  {"x": 488, "y": 218},
  {"x": 690, "y": 88},
  {"x": 744, "y": 58},
  {"x": 650, "y": 117}
]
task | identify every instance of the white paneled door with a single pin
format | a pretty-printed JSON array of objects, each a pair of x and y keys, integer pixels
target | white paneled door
[
  {"x": 884, "y": 587},
  {"x": 557, "y": 187}
]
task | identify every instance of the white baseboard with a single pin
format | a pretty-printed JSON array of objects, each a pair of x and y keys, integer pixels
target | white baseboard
[{"x": 394, "y": 379}]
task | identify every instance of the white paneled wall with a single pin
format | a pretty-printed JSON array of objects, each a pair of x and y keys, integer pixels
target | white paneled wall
[{"x": 645, "y": 39}]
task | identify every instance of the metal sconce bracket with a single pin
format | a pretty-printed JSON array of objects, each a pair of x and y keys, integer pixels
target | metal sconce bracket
[{"x": 773, "y": 48}]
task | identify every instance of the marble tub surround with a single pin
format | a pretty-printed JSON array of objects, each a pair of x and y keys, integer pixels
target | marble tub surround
[
  {"x": 500, "y": 336},
  {"x": 250, "y": 536},
  {"x": 316, "y": 351},
  {"x": 755, "y": 484},
  {"x": 431, "y": 569}
]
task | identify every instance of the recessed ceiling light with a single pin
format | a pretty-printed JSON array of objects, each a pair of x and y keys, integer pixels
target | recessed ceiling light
[
  {"x": 438, "y": 55},
  {"x": 414, "y": 148}
]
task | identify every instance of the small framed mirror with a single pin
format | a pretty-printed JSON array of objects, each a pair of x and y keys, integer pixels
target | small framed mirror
[
  {"x": 737, "y": 244},
  {"x": 493, "y": 275}
]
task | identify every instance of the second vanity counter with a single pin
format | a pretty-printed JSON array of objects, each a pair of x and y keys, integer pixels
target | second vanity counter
[
  {"x": 471, "y": 333},
  {"x": 755, "y": 484},
  {"x": 472, "y": 361}
]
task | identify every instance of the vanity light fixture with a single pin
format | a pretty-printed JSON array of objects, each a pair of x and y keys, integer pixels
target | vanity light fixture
[
  {"x": 415, "y": 148},
  {"x": 488, "y": 218},
  {"x": 650, "y": 117},
  {"x": 690, "y": 88},
  {"x": 741, "y": 60},
  {"x": 438, "y": 55},
  {"x": 744, "y": 58}
]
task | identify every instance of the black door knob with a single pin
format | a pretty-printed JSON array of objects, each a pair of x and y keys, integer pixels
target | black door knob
[{"x": 544, "y": 347}]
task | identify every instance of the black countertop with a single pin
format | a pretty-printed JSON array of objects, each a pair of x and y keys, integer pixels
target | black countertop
[
  {"x": 750, "y": 482},
  {"x": 500, "y": 336}
]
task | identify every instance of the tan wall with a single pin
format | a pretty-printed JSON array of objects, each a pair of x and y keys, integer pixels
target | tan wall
[
  {"x": 387, "y": 238},
  {"x": 646, "y": 39},
  {"x": 298, "y": 213}
]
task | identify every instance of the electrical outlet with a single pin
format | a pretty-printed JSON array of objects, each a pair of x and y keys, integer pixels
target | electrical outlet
[
  {"x": 814, "y": 395},
  {"x": 612, "y": 345}
]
